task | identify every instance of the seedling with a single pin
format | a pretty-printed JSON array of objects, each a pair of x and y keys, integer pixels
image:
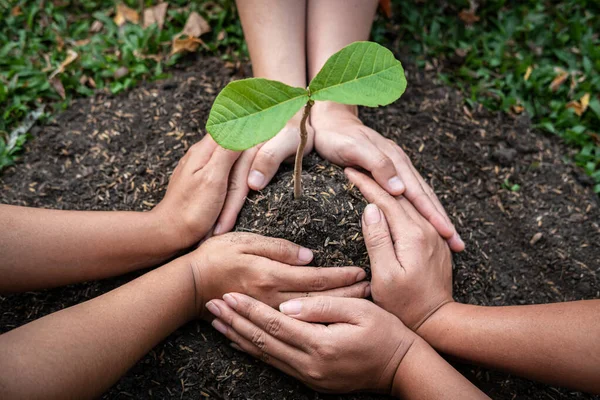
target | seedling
[{"x": 250, "y": 111}]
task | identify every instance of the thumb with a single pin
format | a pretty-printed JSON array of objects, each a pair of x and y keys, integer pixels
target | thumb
[
  {"x": 378, "y": 240},
  {"x": 325, "y": 309}
]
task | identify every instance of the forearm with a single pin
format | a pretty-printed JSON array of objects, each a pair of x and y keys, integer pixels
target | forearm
[
  {"x": 81, "y": 351},
  {"x": 275, "y": 34},
  {"x": 48, "y": 248},
  {"x": 553, "y": 343},
  {"x": 423, "y": 374}
]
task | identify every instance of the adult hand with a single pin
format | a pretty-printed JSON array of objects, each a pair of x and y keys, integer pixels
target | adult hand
[
  {"x": 196, "y": 191},
  {"x": 268, "y": 269},
  {"x": 411, "y": 266},
  {"x": 360, "y": 348},
  {"x": 343, "y": 139},
  {"x": 257, "y": 166}
]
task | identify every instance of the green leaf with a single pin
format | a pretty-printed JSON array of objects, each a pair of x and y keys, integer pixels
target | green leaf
[
  {"x": 250, "y": 111},
  {"x": 363, "y": 73}
]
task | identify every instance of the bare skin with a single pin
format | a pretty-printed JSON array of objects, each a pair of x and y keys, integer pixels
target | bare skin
[
  {"x": 392, "y": 360},
  {"x": 412, "y": 278}
]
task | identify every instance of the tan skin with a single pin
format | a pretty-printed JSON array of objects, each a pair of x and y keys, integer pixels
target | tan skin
[
  {"x": 290, "y": 41},
  {"x": 81, "y": 351}
]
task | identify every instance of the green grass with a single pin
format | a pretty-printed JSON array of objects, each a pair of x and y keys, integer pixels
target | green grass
[
  {"x": 489, "y": 60},
  {"x": 34, "y": 41}
]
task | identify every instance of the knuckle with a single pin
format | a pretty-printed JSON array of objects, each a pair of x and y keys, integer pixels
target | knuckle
[
  {"x": 419, "y": 237},
  {"x": 378, "y": 239},
  {"x": 327, "y": 351},
  {"x": 319, "y": 283},
  {"x": 347, "y": 149},
  {"x": 315, "y": 374},
  {"x": 258, "y": 340},
  {"x": 266, "y": 156},
  {"x": 273, "y": 326},
  {"x": 383, "y": 162}
]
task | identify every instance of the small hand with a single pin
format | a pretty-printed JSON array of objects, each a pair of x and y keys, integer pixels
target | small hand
[
  {"x": 268, "y": 269},
  {"x": 196, "y": 191},
  {"x": 412, "y": 266},
  {"x": 257, "y": 166},
  {"x": 343, "y": 139},
  {"x": 360, "y": 348}
]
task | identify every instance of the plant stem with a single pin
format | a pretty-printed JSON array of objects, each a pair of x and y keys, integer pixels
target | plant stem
[{"x": 300, "y": 151}]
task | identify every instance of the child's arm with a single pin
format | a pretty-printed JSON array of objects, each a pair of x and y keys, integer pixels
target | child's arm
[
  {"x": 412, "y": 278},
  {"x": 47, "y": 248}
]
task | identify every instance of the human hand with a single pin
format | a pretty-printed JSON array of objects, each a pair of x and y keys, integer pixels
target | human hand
[
  {"x": 196, "y": 192},
  {"x": 360, "y": 348},
  {"x": 343, "y": 139},
  {"x": 268, "y": 269},
  {"x": 257, "y": 166},
  {"x": 412, "y": 267}
]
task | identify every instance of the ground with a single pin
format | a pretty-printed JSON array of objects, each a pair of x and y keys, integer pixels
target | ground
[{"x": 529, "y": 220}]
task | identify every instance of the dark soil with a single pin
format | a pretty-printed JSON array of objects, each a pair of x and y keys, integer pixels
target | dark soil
[{"x": 116, "y": 153}]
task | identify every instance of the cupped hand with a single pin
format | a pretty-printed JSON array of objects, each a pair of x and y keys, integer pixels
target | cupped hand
[
  {"x": 268, "y": 269},
  {"x": 196, "y": 192},
  {"x": 343, "y": 139},
  {"x": 360, "y": 348},
  {"x": 411, "y": 264},
  {"x": 257, "y": 166}
]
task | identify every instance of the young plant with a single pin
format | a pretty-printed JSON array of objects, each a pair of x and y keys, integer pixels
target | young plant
[{"x": 250, "y": 111}]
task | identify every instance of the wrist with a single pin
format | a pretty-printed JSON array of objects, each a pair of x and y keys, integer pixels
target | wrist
[
  {"x": 411, "y": 364},
  {"x": 434, "y": 330},
  {"x": 329, "y": 109},
  {"x": 174, "y": 234}
]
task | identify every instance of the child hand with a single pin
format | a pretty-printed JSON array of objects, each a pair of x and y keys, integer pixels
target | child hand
[
  {"x": 341, "y": 138},
  {"x": 268, "y": 269},
  {"x": 196, "y": 191},
  {"x": 257, "y": 166},
  {"x": 360, "y": 348},
  {"x": 412, "y": 266}
]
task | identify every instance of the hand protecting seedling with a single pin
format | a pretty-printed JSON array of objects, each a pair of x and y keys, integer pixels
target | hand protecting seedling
[{"x": 251, "y": 111}]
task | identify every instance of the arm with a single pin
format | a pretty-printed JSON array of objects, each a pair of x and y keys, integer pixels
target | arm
[
  {"x": 412, "y": 278},
  {"x": 341, "y": 137},
  {"x": 48, "y": 248},
  {"x": 392, "y": 360},
  {"x": 275, "y": 31},
  {"x": 554, "y": 343}
]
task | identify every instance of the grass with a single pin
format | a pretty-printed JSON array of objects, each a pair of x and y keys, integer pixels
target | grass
[
  {"x": 35, "y": 40},
  {"x": 509, "y": 58}
]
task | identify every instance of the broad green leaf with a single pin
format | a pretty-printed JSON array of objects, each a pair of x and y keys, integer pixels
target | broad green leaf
[
  {"x": 250, "y": 111},
  {"x": 363, "y": 73}
]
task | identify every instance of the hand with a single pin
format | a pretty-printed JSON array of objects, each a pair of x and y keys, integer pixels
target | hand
[
  {"x": 267, "y": 269},
  {"x": 257, "y": 166},
  {"x": 196, "y": 191},
  {"x": 412, "y": 267},
  {"x": 341, "y": 138},
  {"x": 360, "y": 348}
]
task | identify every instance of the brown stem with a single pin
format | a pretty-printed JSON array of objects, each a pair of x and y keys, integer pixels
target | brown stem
[{"x": 300, "y": 151}]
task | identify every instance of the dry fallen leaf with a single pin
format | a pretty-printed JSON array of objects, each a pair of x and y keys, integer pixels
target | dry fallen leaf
[
  {"x": 121, "y": 72},
  {"x": 81, "y": 42},
  {"x": 559, "y": 79},
  {"x": 58, "y": 86},
  {"x": 528, "y": 72},
  {"x": 580, "y": 106},
  {"x": 155, "y": 15},
  {"x": 468, "y": 17},
  {"x": 386, "y": 7},
  {"x": 535, "y": 238},
  {"x": 195, "y": 26},
  {"x": 16, "y": 11},
  {"x": 189, "y": 44},
  {"x": 517, "y": 109},
  {"x": 125, "y": 14},
  {"x": 96, "y": 26},
  {"x": 71, "y": 56},
  {"x": 221, "y": 36}
]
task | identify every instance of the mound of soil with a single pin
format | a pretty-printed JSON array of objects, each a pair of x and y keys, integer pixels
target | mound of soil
[{"x": 535, "y": 245}]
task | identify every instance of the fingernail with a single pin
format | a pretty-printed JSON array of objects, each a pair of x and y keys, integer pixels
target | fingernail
[
  {"x": 292, "y": 307},
  {"x": 235, "y": 346},
  {"x": 361, "y": 275},
  {"x": 396, "y": 184},
  {"x": 217, "y": 229},
  {"x": 218, "y": 325},
  {"x": 256, "y": 179},
  {"x": 372, "y": 215},
  {"x": 368, "y": 291},
  {"x": 230, "y": 300},
  {"x": 214, "y": 310},
  {"x": 304, "y": 254}
]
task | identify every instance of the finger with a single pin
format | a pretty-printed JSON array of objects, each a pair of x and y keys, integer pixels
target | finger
[
  {"x": 199, "y": 154},
  {"x": 311, "y": 279},
  {"x": 326, "y": 309},
  {"x": 358, "y": 290},
  {"x": 237, "y": 190},
  {"x": 378, "y": 240},
  {"x": 221, "y": 162},
  {"x": 270, "y": 156},
  {"x": 278, "y": 250},
  {"x": 369, "y": 157}
]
